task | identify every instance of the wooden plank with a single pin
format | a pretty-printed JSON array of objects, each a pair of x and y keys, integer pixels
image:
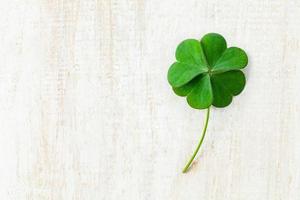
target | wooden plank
[{"x": 86, "y": 111}]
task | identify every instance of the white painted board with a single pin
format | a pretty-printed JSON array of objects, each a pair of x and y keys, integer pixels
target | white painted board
[{"x": 86, "y": 112}]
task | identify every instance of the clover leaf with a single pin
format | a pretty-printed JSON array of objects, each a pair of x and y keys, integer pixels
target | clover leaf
[{"x": 207, "y": 73}]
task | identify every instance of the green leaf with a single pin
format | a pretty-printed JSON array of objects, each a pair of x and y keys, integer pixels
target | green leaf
[
  {"x": 232, "y": 58},
  {"x": 213, "y": 45},
  {"x": 190, "y": 52},
  {"x": 191, "y": 63},
  {"x": 187, "y": 88},
  {"x": 181, "y": 73},
  {"x": 222, "y": 96},
  {"x": 201, "y": 96},
  {"x": 233, "y": 80},
  {"x": 226, "y": 85}
]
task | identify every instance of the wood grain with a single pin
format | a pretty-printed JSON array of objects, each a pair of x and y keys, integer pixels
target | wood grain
[{"x": 86, "y": 111}]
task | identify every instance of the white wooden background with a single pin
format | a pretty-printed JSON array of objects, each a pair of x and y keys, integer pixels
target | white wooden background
[{"x": 86, "y": 112}]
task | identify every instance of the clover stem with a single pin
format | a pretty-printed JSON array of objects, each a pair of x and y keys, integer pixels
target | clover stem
[{"x": 199, "y": 144}]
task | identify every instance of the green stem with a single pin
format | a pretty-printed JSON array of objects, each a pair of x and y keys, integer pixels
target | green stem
[{"x": 199, "y": 144}]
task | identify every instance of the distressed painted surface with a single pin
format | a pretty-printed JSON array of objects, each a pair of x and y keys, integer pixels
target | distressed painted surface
[{"x": 86, "y": 111}]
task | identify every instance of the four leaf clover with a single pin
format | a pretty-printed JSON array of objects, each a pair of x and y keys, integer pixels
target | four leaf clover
[{"x": 207, "y": 73}]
